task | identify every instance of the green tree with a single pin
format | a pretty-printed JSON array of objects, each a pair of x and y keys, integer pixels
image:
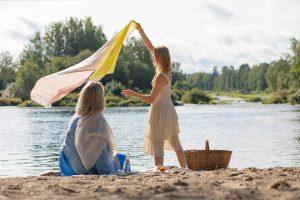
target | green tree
[
  {"x": 134, "y": 67},
  {"x": 74, "y": 36},
  {"x": 114, "y": 88},
  {"x": 214, "y": 76},
  {"x": 226, "y": 80},
  {"x": 54, "y": 40},
  {"x": 122, "y": 73},
  {"x": 94, "y": 36},
  {"x": 242, "y": 77},
  {"x": 7, "y": 69},
  {"x": 201, "y": 80},
  {"x": 277, "y": 75},
  {"x": 295, "y": 68},
  {"x": 34, "y": 51},
  {"x": 26, "y": 77},
  {"x": 182, "y": 85},
  {"x": 257, "y": 77},
  {"x": 81, "y": 56},
  {"x": 56, "y": 64},
  {"x": 178, "y": 74},
  {"x": 261, "y": 76}
]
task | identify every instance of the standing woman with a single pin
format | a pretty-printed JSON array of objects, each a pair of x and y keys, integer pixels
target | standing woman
[{"x": 162, "y": 128}]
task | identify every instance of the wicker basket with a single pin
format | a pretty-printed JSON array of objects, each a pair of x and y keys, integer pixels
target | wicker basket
[{"x": 207, "y": 159}]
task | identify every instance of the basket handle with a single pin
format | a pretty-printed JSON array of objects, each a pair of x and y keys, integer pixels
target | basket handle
[{"x": 206, "y": 145}]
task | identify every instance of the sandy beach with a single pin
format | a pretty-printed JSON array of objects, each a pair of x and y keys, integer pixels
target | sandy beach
[{"x": 250, "y": 183}]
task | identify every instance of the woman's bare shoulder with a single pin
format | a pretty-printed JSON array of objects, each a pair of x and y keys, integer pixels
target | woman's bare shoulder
[{"x": 161, "y": 79}]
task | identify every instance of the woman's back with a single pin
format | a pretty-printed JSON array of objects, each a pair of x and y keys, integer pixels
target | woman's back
[
  {"x": 162, "y": 111},
  {"x": 69, "y": 149},
  {"x": 103, "y": 164},
  {"x": 164, "y": 96}
]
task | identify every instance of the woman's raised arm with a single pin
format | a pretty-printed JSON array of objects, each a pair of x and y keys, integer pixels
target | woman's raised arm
[{"x": 145, "y": 39}]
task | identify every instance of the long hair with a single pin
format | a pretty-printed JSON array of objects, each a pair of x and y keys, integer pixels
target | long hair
[
  {"x": 91, "y": 99},
  {"x": 162, "y": 59}
]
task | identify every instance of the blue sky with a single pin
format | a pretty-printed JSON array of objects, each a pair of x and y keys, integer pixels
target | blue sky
[{"x": 199, "y": 33}]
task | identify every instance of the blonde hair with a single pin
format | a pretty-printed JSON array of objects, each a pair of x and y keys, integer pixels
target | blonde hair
[
  {"x": 162, "y": 59},
  {"x": 91, "y": 99}
]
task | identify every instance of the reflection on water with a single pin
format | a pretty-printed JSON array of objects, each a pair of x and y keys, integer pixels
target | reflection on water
[{"x": 259, "y": 135}]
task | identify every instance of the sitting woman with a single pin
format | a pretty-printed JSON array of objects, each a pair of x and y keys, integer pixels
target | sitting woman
[{"x": 89, "y": 142}]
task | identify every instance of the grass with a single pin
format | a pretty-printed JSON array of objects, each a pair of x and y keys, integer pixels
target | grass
[
  {"x": 119, "y": 101},
  {"x": 249, "y": 97},
  {"x": 196, "y": 96},
  {"x": 29, "y": 103},
  {"x": 10, "y": 101},
  {"x": 71, "y": 99}
]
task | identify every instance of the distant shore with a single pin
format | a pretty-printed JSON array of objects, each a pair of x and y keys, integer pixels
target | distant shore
[
  {"x": 250, "y": 183},
  {"x": 119, "y": 101}
]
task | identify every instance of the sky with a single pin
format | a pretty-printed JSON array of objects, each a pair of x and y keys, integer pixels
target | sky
[{"x": 200, "y": 34}]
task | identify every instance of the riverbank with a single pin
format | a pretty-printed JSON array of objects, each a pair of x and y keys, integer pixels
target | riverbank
[
  {"x": 260, "y": 97},
  {"x": 250, "y": 183},
  {"x": 196, "y": 97},
  {"x": 70, "y": 101}
]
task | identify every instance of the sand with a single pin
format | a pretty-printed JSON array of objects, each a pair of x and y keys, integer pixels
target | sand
[{"x": 250, "y": 183}]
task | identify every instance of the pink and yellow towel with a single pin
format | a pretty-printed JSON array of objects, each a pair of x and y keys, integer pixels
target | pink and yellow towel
[{"x": 53, "y": 87}]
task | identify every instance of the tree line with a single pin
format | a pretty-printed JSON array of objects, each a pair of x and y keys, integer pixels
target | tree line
[
  {"x": 68, "y": 42},
  {"x": 281, "y": 76}
]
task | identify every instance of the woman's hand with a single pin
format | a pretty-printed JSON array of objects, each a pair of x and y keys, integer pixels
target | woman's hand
[
  {"x": 128, "y": 93},
  {"x": 138, "y": 26},
  {"x": 145, "y": 39},
  {"x": 159, "y": 83}
]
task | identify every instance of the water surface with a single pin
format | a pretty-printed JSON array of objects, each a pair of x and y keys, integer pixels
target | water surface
[{"x": 259, "y": 135}]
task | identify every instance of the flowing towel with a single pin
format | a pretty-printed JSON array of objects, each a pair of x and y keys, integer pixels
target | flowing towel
[{"x": 53, "y": 87}]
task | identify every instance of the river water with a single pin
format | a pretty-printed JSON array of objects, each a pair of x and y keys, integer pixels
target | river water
[{"x": 259, "y": 135}]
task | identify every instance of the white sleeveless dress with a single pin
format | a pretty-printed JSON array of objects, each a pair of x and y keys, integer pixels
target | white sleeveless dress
[{"x": 162, "y": 127}]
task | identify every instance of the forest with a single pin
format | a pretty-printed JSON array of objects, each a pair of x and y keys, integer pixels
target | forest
[{"x": 68, "y": 42}]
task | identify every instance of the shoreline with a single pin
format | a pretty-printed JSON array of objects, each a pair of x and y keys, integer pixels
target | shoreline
[
  {"x": 221, "y": 100},
  {"x": 249, "y": 183},
  {"x": 216, "y": 98}
]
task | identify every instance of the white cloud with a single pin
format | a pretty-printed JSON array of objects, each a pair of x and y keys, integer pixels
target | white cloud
[{"x": 200, "y": 34}]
